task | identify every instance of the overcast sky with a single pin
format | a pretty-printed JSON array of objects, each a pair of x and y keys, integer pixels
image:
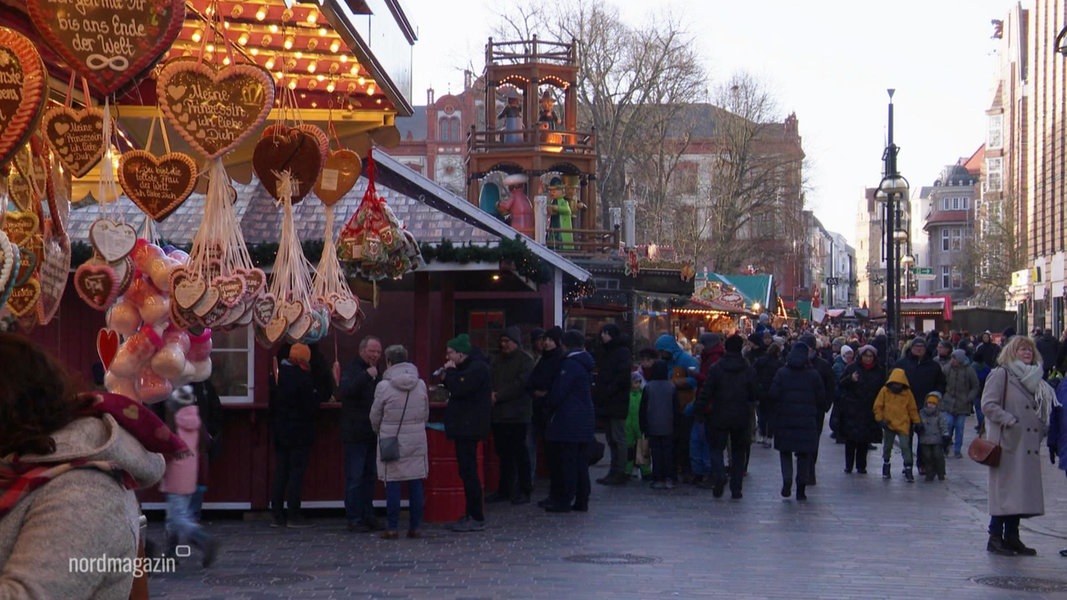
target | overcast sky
[{"x": 829, "y": 61}]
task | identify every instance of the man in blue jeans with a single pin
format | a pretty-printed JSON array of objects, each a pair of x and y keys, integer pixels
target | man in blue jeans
[{"x": 356, "y": 393}]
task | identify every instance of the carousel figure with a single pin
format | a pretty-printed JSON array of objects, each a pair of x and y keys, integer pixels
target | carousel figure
[
  {"x": 512, "y": 115},
  {"x": 559, "y": 213},
  {"x": 516, "y": 209}
]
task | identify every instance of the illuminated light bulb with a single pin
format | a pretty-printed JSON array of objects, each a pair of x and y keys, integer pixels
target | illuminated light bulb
[
  {"x": 254, "y": 51},
  {"x": 225, "y": 24},
  {"x": 298, "y": 54},
  {"x": 335, "y": 46},
  {"x": 313, "y": 43},
  {"x": 343, "y": 58},
  {"x": 279, "y": 75},
  {"x": 378, "y": 101},
  {"x": 288, "y": 45},
  {"x": 243, "y": 38},
  {"x": 313, "y": 16},
  {"x": 269, "y": 64},
  {"x": 314, "y": 105},
  {"x": 292, "y": 84},
  {"x": 266, "y": 40},
  {"x": 355, "y": 71},
  {"x": 361, "y": 80},
  {"x": 236, "y": 11},
  {"x": 320, "y": 77},
  {"x": 210, "y": 48},
  {"x": 261, "y": 13},
  {"x": 273, "y": 28},
  {"x": 311, "y": 67},
  {"x": 322, "y": 32},
  {"x": 370, "y": 90},
  {"x": 197, "y": 36},
  {"x": 330, "y": 87},
  {"x": 226, "y": 60}
]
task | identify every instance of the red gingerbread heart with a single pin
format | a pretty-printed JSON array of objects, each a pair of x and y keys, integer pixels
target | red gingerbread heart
[{"x": 23, "y": 90}]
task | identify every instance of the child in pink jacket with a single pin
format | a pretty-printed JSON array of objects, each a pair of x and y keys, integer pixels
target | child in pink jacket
[{"x": 180, "y": 479}]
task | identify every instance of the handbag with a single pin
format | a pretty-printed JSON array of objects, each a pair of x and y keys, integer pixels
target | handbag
[
  {"x": 389, "y": 447},
  {"x": 983, "y": 451}
]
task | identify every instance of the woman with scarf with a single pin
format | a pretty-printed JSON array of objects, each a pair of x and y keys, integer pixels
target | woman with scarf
[
  {"x": 69, "y": 463},
  {"x": 1016, "y": 403},
  {"x": 859, "y": 385}
]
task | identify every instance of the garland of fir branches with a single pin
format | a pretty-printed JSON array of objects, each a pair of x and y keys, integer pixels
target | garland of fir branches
[{"x": 513, "y": 252}]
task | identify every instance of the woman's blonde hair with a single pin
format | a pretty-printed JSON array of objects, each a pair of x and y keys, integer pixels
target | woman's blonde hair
[{"x": 1011, "y": 349}]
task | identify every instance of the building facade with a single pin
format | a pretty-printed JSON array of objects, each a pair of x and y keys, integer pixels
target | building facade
[{"x": 947, "y": 209}]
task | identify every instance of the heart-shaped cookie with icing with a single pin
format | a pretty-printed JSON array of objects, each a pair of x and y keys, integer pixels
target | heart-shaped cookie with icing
[
  {"x": 213, "y": 108},
  {"x": 8, "y": 258},
  {"x": 112, "y": 240},
  {"x": 96, "y": 285},
  {"x": 186, "y": 288},
  {"x": 340, "y": 172},
  {"x": 157, "y": 184},
  {"x": 110, "y": 44},
  {"x": 23, "y": 299},
  {"x": 21, "y": 226},
  {"x": 76, "y": 137},
  {"x": 290, "y": 149},
  {"x": 28, "y": 182},
  {"x": 55, "y": 268},
  {"x": 263, "y": 309},
  {"x": 23, "y": 90}
]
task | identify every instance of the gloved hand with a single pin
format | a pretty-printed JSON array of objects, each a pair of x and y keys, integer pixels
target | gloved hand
[{"x": 918, "y": 428}]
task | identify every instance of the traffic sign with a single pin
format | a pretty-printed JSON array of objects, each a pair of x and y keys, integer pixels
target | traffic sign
[{"x": 923, "y": 273}]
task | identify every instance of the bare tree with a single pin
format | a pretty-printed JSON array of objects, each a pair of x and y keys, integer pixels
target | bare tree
[{"x": 996, "y": 254}]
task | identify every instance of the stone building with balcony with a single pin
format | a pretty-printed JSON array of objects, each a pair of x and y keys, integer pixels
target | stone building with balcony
[{"x": 948, "y": 213}]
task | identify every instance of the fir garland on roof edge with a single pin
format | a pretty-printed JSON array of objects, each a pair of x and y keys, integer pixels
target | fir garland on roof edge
[{"x": 512, "y": 252}]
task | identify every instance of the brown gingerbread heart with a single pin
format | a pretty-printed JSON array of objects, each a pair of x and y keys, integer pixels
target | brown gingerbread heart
[
  {"x": 157, "y": 185},
  {"x": 287, "y": 149},
  {"x": 340, "y": 171},
  {"x": 23, "y": 90},
  {"x": 76, "y": 137}
]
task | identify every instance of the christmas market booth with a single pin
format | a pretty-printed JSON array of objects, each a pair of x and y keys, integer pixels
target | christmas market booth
[{"x": 926, "y": 313}]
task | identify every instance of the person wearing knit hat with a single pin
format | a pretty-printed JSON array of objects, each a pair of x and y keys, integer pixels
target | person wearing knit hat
[
  {"x": 710, "y": 340},
  {"x": 300, "y": 355},
  {"x": 734, "y": 343},
  {"x": 537, "y": 345},
  {"x": 853, "y": 416},
  {"x": 467, "y": 422},
  {"x": 933, "y": 433},
  {"x": 868, "y": 348},
  {"x": 924, "y": 374},
  {"x": 962, "y": 388},
  {"x": 510, "y": 417},
  {"x": 570, "y": 431},
  {"x": 555, "y": 333}
]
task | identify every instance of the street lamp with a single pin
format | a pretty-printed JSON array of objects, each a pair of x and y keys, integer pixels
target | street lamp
[{"x": 891, "y": 190}]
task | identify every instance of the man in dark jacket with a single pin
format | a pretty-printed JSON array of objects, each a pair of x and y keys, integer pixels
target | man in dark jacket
[
  {"x": 829, "y": 386},
  {"x": 510, "y": 417},
  {"x": 539, "y": 385},
  {"x": 797, "y": 405},
  {"x": 924, "y": 376},
  {"x": 572, "y": 424},
  {"x": 469, "y": 385},
  {"x": 356, "y": 392},
  {"x": 729, "y": 395},
  {"x": 1049, "y": 348},
  {"x": 612, "y": 398}
]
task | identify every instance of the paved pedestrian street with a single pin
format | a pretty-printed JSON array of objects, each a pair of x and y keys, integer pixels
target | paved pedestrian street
[{"x": 857, "y": 536}]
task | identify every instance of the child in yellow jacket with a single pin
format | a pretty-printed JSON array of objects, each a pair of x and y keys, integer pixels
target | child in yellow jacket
[{"x": 895, "y": 409}]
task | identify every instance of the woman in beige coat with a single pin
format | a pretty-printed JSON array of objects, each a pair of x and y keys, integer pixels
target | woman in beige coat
[
  {"x": 401, "y": 407},
  {"x": 1016, "y": 403}
]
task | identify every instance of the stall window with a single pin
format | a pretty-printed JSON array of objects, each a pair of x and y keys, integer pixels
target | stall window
[
  {"x": 232, "y": 364},
  {"x": 484, "y": 328}
]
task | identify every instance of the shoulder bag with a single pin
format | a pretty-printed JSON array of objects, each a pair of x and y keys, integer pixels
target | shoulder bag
[
  {"x": 982, "y": 450},
  {"x": 389, "y": 447}
]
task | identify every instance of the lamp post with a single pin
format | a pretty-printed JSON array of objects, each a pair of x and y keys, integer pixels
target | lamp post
[{"x": 891, "y": 190}]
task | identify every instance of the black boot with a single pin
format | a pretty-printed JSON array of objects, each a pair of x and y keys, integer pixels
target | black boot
[
  {"x": 996, "y": 545},
  {"x": 800, "y": 493},
  {"x": 908, "y": 476},
  {"x": 886, "y": 471},
  {"x": 787, "y": 489},
  {"x": 1017, "y": 546}
]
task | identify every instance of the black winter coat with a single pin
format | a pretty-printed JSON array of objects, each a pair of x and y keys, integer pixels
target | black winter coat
[
  {"x": 470, "y": 399},
  {"x": 294, "y": 407},
  {"x": 357, "y": 395},
  {"x": 570, "y": 403},
  {"x": 541, "y": 377},
  {"x": 612, "y": 392},
  {"x": 855, "y": 405},
  {"x": 766, "y": 367},
  {"x": 796, "y": 398},
  {"x": 730, "y": 392},
  {"x": 924, "y": 376}
]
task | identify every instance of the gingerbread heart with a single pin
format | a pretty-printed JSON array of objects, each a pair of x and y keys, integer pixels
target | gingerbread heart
[
  {"x": 214, "y": 109},
  {"x": 110, "y": 44},
  {"x": 30, "y": 251},
  {"x": 255, "y": 281},
  {"x": 107, "y": 346},
  {"x": 231, "y": 289},
  {"x": 55, "y": 267},
  {"x": 23, "y": 299},
  {"x": 186, "y": 288},
  {"x": 275, "y": 329},
  {"x": 112, "y": 240},
  {"x": 23, "y": 90},
  {"x": 21, "y": 226},
  {"x": 76, "y": 137},
  {"x": 263, "y": 310},
  {"x": 28, "y": 182},
  {"x": 340, "y": 172},
  {"x": 96, "y": 284},
  {"x": 293, "y": 150},
  {"x": 157, "y": 185},
  {"x": 8, "y": 260}
]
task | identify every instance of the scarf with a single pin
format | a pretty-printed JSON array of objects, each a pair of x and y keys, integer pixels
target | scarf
[
  {"x": 18, "y": 479},
  {"x": 1031, "y": 378}
]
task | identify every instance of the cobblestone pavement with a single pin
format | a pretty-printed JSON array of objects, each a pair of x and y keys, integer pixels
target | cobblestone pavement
[{"x": 857, "y": 536}]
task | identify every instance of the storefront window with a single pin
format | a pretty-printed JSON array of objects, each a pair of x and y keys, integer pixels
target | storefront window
[{"x": 231, "y": 364}]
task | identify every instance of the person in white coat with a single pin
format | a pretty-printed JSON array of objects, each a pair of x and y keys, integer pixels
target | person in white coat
[
  {"x": 1016, "y": 403},
  {"x": 401, "y": 408}
]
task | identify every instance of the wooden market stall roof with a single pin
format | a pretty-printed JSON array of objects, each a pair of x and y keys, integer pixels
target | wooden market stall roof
[{"x": 353, "y": 56}]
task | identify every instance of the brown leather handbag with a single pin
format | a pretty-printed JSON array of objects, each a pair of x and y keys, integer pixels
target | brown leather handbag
[{"x": 984, "y": 451}]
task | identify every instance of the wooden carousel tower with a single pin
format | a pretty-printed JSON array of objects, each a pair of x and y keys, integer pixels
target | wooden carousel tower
[{"x": 531, "y": 166}]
